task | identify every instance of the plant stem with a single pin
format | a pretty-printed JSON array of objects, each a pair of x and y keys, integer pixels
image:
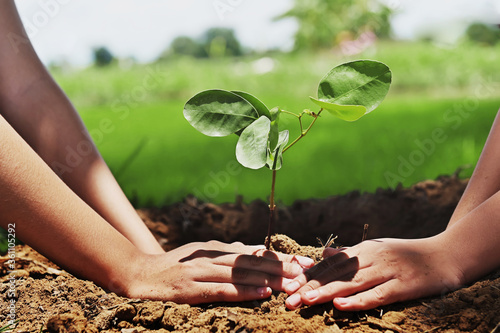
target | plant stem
[
  {"x": 303, "y": 133},
  {"x": 272, "y": 206},
  {"x": 291, "y": 113},
  {"x": 365, "y": 232}
]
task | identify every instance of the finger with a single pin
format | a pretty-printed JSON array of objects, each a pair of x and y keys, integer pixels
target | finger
[
  {"x": 348, "y": 285},
  {"x": 222, "y": 292},
  {"x": 255, "y": 262},
  {"x": 382, "y": 294},
  {"x": 259, "y": 263},
  {"x": 260, "y": 250},
  {"x": 329, "y": 265},
  {"x": 310, "y": 293},
  {"x": 305, "y": 262},
  {"x": 241, "y": 276}
]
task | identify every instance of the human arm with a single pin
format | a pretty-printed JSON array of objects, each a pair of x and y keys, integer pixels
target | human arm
[
  {"x": 50, "y": 217},
  {"x": 485, "y": 180},
  {"x": 383, "y": 271},
  {"x": 66, "y": 218},
  {"x": 41, "y": 113}
]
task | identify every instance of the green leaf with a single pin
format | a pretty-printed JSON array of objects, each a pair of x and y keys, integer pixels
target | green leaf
[
  {"x": 274, "y": 133},
  {"x": 275, "y": 158},
  {"x": 256, "y": 103},
  {"x": 344, "y": 112},
  {"x": 361, "y": 82},
  {"x": 219, "y": 112},
  {"x": 251, "y": 149}
]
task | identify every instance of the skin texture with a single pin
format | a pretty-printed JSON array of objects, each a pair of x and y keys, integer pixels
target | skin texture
[
  {"x": 64, "y": 202},
  {"x": 383, "y": 271}
]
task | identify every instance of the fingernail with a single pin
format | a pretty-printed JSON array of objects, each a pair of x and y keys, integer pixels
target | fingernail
[
  {"x": 312, "y": 294},
  {"x": 294, "y": 301},
  {"x": 264, "y": 291},
  {"x": 285, "y": 282},
  {"x": 292, "y": 287},
  {"x": 305, "y": 261},
  {"x": 342, "y": 301}
]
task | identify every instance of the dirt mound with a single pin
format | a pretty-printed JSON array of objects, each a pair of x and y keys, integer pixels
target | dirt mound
[
  {"x": 420, "y": 211},
  {"x": 51, "y": 300}
]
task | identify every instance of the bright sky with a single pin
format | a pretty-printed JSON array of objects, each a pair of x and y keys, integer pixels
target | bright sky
[{"x": 69, "y": 29}]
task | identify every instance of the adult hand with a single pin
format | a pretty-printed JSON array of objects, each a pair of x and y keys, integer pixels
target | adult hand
[
  {"x": 216, "y": 272},
  {"x": 377, "y": 272}
]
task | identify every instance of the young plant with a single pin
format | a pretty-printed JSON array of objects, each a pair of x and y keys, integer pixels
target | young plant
[{"x": 348, "y": 91}]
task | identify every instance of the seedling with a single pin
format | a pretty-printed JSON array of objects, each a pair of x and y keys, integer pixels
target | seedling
[{"x": 348, "y": 91}]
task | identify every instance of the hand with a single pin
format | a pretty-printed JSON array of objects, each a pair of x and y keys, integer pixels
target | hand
[
  {"x": 377, "y": 272},
  {"x": 216, "y": 272}
]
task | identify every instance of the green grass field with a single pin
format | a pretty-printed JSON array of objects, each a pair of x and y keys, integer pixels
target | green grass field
[{"x": 434, "y": 120}]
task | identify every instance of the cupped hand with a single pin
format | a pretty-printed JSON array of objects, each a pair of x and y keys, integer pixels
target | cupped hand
[
  {"x": 216, "y": 272},
  {"x": 377, "y": 272}
]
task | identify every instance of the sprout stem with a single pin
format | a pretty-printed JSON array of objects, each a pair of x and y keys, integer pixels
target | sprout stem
[
  {"x": 291, "y": 113},
  {"x": 272, "y": 206},
  {"x": 303, "y": 133}
]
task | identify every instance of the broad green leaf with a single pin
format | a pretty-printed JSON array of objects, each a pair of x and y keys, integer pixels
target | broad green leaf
[
  {"x": 344, "y": 112},
  {"x": 256, "y": 103},
  {"x": 251, "y": 149},
  {"x": 361, "y": 82},
  {"x": 275, "y": 158},
  {"x": 219, "y": 112},
  {"x": 274, "y": 133}
]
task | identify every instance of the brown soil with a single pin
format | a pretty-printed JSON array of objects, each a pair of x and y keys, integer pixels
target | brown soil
[{"x": 52, "y": 300}]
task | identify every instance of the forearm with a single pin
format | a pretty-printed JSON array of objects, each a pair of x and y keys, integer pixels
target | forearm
[
  {"x": 48, "y": 122},
  {"x": 473, "y": 240},
  {"x": 485, "y": 180},
  {"x": 55, "y": 221},
  {"x": 40, "y": 112}
]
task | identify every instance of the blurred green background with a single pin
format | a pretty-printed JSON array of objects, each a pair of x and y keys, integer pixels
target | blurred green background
[{"x": 158, "y": 158}]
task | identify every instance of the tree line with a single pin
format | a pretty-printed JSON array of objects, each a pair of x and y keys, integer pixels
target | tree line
[{"x": 322, "y": 24}]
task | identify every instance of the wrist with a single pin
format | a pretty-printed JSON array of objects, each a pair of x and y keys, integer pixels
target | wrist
[
  {"x": 125, "y": 278},
  {"x": 449, "y": 259}
]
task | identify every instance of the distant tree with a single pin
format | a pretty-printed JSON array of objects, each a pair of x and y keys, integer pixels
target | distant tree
[
  {"x": 184, "y": 45},
  {"x": 324, "y": 23},
  {"x": 483, "y": 33},
  {"x": 220, "y": 42},
  {"x": 102, "y": 56},
  {"x": 215, "y": 42}
]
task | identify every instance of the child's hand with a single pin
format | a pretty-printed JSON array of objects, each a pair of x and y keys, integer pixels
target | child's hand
[
  {"x": 377, "y": 272},
  {"x": 216, "y": 272}
]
